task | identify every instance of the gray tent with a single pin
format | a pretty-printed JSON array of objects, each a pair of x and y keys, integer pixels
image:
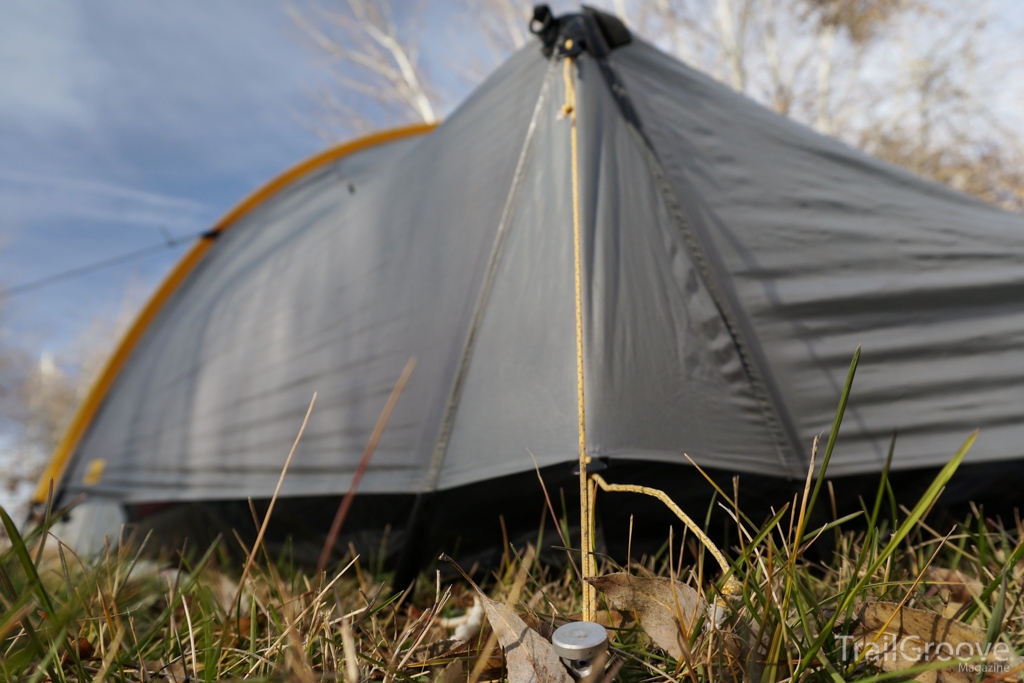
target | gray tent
[{"x": 732, "y": 261}]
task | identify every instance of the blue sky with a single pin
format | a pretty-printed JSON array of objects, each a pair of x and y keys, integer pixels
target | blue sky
[{"x": 123, "y": 123}]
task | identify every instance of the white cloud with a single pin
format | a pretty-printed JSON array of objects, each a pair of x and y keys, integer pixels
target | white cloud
[{"x": 110, "y": 191}]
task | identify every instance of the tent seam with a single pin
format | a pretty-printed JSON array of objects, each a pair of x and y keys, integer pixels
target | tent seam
[
  {"x": 784, "y": 438},
  {"x": 498, "y": 248},
  {"x": 781, "y": 426}
]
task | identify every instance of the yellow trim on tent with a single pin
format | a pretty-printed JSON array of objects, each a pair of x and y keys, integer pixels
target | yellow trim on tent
[{"x": 88, "y": 408}]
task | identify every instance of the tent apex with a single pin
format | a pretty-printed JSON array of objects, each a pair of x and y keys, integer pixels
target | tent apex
[{"x": 567, "y": 35}]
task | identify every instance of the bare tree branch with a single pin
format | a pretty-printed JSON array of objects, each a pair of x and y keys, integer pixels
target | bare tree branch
[
  {"x": 898, "y": 78},
  {"x": 372, "y": 60}
]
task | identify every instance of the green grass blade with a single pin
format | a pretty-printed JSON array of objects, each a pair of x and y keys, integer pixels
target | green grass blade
[
  {"x": 883, "y": 482},
  {"x": 837, "y": 422},
  {"x": 834, "y": 523},
  {"x": 995, "y": 624},
  {"x": 755, "y": 542},
  {"x": 29, "y": 567},
  {"x": 131, "y": 653},
  {"x": 49, "y": 658},
  {"x": 1010, "y": 563},
  {"x": 922, "y": 506}
]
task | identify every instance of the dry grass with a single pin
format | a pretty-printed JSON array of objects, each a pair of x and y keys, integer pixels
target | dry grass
[
  {"x": 122, "y": 618},
  {"x": 784, "y": 615}
]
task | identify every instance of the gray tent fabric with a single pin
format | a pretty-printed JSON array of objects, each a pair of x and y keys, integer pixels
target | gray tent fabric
[
  {"x": 825, "y": 248},
  {"x": 732, "y": 262},
  {"x": 667, "y": 374}
]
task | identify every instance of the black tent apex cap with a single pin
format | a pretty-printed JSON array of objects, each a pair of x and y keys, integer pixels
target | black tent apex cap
[
  {"x": 612, "y": 29},
  {"x": 570, "y": 34}
]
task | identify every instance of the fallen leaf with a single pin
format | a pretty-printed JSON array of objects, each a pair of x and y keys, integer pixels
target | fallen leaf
[
  {"x": 545, "y": 626},
  {"x": 453, "y": 673},
  {"x": 668, "y": 619},
  {"x": 530, "y": 658},
  {"x": 85, "y": 652},
  {"x": 960, "y": 586},
  {"x": 895, "y": 638},
  {"x": 611, "y": 620},
  {"x": 175, "y": 672}
]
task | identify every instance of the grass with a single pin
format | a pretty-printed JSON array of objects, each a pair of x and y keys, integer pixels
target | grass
[
  {"x": 122, "y": 618},
  {"x": 196, "y": 616}
]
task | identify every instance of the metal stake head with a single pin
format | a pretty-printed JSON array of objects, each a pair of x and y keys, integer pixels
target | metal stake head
[{"x": 578, "y": 643}]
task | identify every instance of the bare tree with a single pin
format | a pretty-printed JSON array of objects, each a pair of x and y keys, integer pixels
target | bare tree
[
  {"x": 372, "y": 58},
  {"x": 17, "y": 463},
  {"x": 907, "y": 80},
  {"x": 503, "y": 26},
  {"x": 36, "y": 403},
  {"x": 39, "y": 395}
]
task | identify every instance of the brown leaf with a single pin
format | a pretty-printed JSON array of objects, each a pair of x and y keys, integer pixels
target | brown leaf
[
  {"x": 651, "y": 601},
  {"x": 544, "y": 626},
  {"x": 960, "y": 586},
  {"x": 84, "y": 648},
  {"x": 895, "y": 638},
  {"x": 453, "y": 673},
  {"x": 530, "y": 658}
]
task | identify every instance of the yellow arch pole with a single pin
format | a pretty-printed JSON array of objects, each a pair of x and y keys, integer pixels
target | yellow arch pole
[{"x": 88, "y": 408}]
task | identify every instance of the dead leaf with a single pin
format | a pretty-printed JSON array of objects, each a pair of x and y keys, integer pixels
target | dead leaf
[
  {"x": 84, "y": 649},
  {"x": 954, "y": 587},
  {"x": 960, "y": 586},
  {"x": 530, "y": 658},
  {"x": 895, "y": 638},
  {"x": 545, "y": 626},
  {"x": 667, "y": 619},
  {"x": 453, "y": 673},
  {"x": 175, "y": 672}
]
